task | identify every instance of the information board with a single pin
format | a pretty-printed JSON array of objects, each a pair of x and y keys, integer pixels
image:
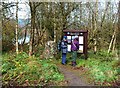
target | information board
[{"x": 82, "y": 39}]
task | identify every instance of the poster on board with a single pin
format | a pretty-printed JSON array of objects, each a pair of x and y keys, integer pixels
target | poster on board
[
  {"x": 80, "y": 49},
  {"x": 69, "y": 39},
  {"x": 80, "y": 39},
  {"x": 69, "y": 48}
]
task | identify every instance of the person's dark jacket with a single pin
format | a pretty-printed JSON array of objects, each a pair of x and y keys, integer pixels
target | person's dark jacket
[{"x": 64, "y": 46}]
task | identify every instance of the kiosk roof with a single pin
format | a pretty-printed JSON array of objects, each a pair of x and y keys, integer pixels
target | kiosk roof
[{"x": 75, "y": 30}]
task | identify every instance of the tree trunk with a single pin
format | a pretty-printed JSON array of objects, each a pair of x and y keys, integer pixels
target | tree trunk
[
  {"x": 32, "y": 8},
  {"x": 114, "y": 42},
  {"x": 24, "y": 36},
  {"x": 95, "y": 26},
  {"x": 110, "y": 45},
  {"x": 118, "y": 32},
  {"x": 54, "y": 23},
  {"x": 104, "y": 15},
  {"x": 81, "y": 13},
  {"x": 16, "y": 32}
]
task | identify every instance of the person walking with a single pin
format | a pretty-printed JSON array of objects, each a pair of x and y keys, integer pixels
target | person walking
[
  {"x": 64, "y": 49},
  {"x": 74, "y": 48}
]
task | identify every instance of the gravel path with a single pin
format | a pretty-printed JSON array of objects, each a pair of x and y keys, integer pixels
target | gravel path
[{"x": 73, "y": 76}]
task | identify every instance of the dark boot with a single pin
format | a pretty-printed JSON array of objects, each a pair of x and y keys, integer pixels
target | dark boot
[
  {"x": 73, "y": 63},
  {"x": 66, "y": 61}
]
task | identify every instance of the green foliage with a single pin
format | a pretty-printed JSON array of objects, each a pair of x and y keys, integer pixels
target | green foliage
[
  {"x": 8, "y": 34},
  {"x": 118, "y": 70},
  {"x": 101, "y": 67},
  {"x": 21, "y": 56},
  {"x": 102, "y": 55},
  {"x": 81, "y": 63},
  {"x": 24, "y": 70},
  {"x": 39, "y": 51},
  {"x": 102, "y": 71}
]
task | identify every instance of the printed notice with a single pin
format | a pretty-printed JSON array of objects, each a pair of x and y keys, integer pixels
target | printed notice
[
  {"x": 80, "y": 39},
  {"x": 69, "y": 48},
  {"x": 80, "y": 48},
  {"x": 69, "y": 39}
]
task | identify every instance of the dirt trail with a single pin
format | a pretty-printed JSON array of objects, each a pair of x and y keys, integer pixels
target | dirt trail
[{"x": 73, "y": 76}]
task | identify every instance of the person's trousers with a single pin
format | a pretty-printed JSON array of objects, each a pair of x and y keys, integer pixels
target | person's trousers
[
  {"x": 63, "y": 58},
  {"x": 74, "y": 56}
]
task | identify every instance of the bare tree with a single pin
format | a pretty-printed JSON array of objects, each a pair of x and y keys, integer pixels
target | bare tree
[
  {"x": 95, "y": 14},
  {"x": 33, "y": 6}
]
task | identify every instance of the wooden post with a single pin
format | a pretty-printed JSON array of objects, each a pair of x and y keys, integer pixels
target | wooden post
[{"x": 85, "y": 44}]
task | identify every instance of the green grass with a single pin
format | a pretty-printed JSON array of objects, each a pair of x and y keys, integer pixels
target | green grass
[{"x": 24, "y": 70}]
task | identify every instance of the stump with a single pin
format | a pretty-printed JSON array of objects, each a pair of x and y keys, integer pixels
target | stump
[{"x": 50, "y": 50}]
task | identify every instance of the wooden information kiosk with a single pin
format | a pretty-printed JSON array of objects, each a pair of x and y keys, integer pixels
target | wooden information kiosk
[{"x": 82, "y": 38}]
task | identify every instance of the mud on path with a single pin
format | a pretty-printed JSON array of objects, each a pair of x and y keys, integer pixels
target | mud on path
[{"x": 74, "y": 76}]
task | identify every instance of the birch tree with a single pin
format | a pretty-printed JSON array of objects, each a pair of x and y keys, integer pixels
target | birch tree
[{"x": 16, "y": 31}]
